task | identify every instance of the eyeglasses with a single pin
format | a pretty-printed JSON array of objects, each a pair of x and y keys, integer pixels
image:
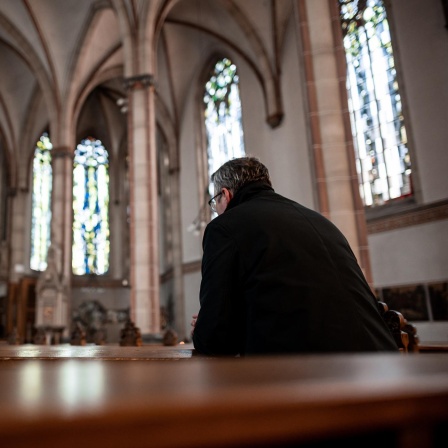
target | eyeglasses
[{"x": 212, "y": 202}]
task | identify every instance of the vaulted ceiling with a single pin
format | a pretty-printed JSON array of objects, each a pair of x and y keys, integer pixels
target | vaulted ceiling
[{"x": 64, "y": 62}]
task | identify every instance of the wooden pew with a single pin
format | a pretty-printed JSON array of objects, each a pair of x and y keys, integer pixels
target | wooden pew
[
  {"x": 433, "y": 347},
  {"x": 150, "y": 352},
  {"x": 352, "y": 400},
  {"x": 405, "y": 334}
]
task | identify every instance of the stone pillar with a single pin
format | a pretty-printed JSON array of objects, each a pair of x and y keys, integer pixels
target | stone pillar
[
  {"x": 360, "y": 217},
  {"x": 4, "y": 261},
  {"x": 17, "y": 265},
  {"x": 12, "y": 256},
  {"x": 51, "y": 297},
  {"x": 61, "y": 233},
  {"x": 336, "y": 178},
  {"x": 144, "y": 256},
  {"x": 179, "y": 300}
]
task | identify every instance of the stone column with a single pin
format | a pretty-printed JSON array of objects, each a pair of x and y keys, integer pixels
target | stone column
[
  {"x": 61, "y": 231},
  {"x": 144, "y": 256},
  {"x": 179, "y": 300},
  {"x": 336, "y": 178},
  {"x": 18, "y": 263},
  {"x": 52, "y": 307}
]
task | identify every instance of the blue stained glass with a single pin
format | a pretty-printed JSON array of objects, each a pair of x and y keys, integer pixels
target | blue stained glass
[
  {"x": 91, "y": 242},
  {"x": 41, "y": 203},
  {"x": 375, "y": 103}
]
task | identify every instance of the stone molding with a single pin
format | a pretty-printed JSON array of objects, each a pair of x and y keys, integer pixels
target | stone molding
[
  {"x": 61, "y": 152},
  {"x": 419, "y": 215},
  {"x": 138, "y": 82}
]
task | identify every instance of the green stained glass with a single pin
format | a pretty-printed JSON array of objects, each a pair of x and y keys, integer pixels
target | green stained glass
[
  {"x": 223, "y": 116},
  {"x": 41, "y": 203},
  {"x": 91, "y": 242},
  {"x": 379, "y": 134}
]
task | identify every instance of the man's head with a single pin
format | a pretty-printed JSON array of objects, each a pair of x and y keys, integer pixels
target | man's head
[
  {"x": 234, "y": 175},
  {"x": 237, "y": 173}
]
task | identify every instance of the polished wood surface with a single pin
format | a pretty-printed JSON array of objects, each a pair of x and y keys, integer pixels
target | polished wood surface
[
  {"x": 434, "y": 346},
  {"x": 221, "y": 402},
  {"x": 91, "y": 351}
]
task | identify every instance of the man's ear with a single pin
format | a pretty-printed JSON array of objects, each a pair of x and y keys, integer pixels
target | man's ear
[{"x": 227, "y": 194}]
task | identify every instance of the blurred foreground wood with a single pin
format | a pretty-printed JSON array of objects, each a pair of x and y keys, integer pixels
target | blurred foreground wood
[{"x": 387, "y": 400}]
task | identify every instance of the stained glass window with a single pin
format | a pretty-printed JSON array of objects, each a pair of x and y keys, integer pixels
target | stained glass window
[
  {"x": 91, "y": 242},
  {"x": 379, "y": 133},
  {"x": 41, "y": 203},
  {"x": 223, "y": 116}
]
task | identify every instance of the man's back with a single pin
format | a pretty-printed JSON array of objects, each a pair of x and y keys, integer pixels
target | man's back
[{"x": 285, "y": 281}]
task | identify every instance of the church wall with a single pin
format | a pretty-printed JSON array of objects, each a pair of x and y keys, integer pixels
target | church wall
[
  {"x": 423, "y": 48},
  {"x": 427, "y": 98},
  {"x": 257, "y": 133},
  {"x": 162, "y": 246},
  {"x": 3, "y": 198},
  {"x": 189, "y": 194},
  {"x": 416, "y": 256},
  {"x": 410, "y": 255},
  {"x": 409, "y": 262},
  {"x": 166, "y": 303},
  {"x": 189, "y": 202},
  {"x": 192, "y": 282},
  {"x": 23, "y": 267},
  {"x": 294, "y": 139},
  {"x": 285, "y": 149}
]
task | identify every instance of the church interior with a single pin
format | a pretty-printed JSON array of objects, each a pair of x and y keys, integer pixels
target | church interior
[
  {"x": 114, "y": 114},
  {"x": 121, "y": 87}
]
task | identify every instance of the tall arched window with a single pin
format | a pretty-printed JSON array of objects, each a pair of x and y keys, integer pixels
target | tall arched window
[
  {"x": 382, "y": 156},
  {"x": 223, "y": 116},
  {"x": 41, "y": 203},
  {"x": 91, "y": 242}
]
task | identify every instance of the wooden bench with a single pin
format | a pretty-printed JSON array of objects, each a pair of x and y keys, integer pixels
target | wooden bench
[
  {"x": 405, "y": 334},
  {"x": 374, "y": 399},
  {"x": 150, "y": 352}
]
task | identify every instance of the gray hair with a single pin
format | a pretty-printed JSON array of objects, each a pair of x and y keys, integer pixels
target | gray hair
[{"x": 237, "y": 173}]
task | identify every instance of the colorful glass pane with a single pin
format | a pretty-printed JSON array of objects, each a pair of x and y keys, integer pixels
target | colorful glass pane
[
  {"x": 91, "y": 244},
  {"x": 223, "y": 116},
  {"x": 382, "y": 156},
  {"x": 41, "y": 203}
]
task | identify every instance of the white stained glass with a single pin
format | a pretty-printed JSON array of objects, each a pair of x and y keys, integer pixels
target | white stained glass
[
  {"x": 223, "y": 116},
  {"x": 368, "y": 194},
  {"x": 379, "y": 145},
  {"x": 41, "y": 203},
  {"x": 374, "y": 101}
]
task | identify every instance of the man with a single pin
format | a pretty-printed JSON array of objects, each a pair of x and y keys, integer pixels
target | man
[{"x": 278, "y": 277}]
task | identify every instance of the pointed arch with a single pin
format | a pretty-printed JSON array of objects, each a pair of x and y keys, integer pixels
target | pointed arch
[
  {"x": 268, "y": 76},
  {"x": 10, "y": 143},
  {"x": 29, "y": 56}
]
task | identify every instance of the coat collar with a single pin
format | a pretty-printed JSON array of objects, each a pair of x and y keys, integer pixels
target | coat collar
[{"x": 248, "y": 192}]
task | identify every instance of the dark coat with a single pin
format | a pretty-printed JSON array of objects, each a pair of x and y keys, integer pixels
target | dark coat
[{"x": 278, "y": 277}]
